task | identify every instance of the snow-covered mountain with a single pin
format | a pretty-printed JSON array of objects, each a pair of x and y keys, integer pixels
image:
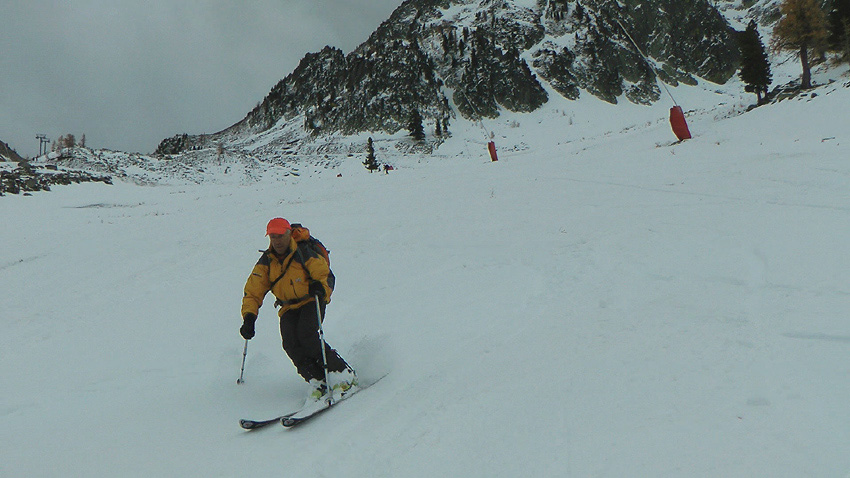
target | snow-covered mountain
[
  {"x": 447, "y": 59},
  {"x": 266, "y": 143}
]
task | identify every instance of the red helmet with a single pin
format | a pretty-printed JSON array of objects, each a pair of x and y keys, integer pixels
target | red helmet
[{"x": 278, "y": 225}]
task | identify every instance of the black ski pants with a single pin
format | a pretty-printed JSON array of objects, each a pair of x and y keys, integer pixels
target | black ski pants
[{"x": 299, "y": 329}]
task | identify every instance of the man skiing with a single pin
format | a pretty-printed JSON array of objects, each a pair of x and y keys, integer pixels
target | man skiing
[{"x": 297, "y": 275}]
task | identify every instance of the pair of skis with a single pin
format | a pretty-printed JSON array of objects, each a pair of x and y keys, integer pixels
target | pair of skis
[
  {"x": 291, "y": 419},
  {"x": 307, "y": 412}
]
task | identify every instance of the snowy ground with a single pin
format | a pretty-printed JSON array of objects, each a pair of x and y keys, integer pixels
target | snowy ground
[{"x": 597, "y": 303}]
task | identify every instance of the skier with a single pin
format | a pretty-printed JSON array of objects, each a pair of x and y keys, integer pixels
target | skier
[{"x": 296, "y": 274}]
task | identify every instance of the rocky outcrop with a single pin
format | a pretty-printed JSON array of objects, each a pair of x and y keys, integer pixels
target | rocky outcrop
[
  {"x": 8, "y": 154},
  {"x": 28, "y": 178}
]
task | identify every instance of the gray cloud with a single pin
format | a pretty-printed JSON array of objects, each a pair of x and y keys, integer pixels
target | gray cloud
[{"x": 128, "y": 74}]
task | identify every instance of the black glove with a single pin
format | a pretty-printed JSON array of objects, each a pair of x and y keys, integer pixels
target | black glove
[
  {"x": 247, "y": 329},
  {"x": 317, "y": 289}
]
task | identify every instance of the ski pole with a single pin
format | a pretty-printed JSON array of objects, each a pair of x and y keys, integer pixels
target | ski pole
[
  {"x": 324, "y": 355},
  {"x": 240, "y": 380}
]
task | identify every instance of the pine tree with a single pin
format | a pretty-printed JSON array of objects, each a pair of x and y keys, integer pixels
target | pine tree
[
  {"x": 755, "y": 67},
  {"x": 370, "y": 162},
  {"x": 417, "y": 131},
  {"x": 839, "y": 28},
  {"x": 65, "y": 141},
  {"x": 801, "y": 28}
]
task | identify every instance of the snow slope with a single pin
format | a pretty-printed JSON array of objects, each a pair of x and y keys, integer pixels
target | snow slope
[{"x": 597, "y": 303}]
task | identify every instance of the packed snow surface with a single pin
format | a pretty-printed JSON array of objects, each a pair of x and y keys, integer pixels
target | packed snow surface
[{"x": 599, "y": 302}]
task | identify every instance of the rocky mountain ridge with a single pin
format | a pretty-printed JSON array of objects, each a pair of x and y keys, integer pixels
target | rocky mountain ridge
[
  {"x": 282, "y": 138},
  {"x": 476, "y": 58}
]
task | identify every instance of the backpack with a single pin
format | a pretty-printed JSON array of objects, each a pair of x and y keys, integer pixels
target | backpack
[{"x": 302, "y": 235}]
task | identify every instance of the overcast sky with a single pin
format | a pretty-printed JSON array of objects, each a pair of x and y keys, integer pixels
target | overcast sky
[{"x": 128, "y": 74}]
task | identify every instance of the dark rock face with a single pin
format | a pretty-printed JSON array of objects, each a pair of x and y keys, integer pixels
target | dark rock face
[
  {"x": 479, "y": 57},
  {"x": 8, "y": 154},
  {"x": 28, "y": 178}
]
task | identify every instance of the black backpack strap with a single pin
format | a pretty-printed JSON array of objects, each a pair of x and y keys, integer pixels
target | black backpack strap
[
  {"x": 283, "y": 271},
  {"x": 303, "y": 261}
]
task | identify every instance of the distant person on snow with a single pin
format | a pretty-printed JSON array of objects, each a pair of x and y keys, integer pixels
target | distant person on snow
[{"x": 296, "y": 274}]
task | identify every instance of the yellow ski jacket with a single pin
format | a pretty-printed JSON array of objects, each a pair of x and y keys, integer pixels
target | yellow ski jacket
[{"x": 288, "y": 278}]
